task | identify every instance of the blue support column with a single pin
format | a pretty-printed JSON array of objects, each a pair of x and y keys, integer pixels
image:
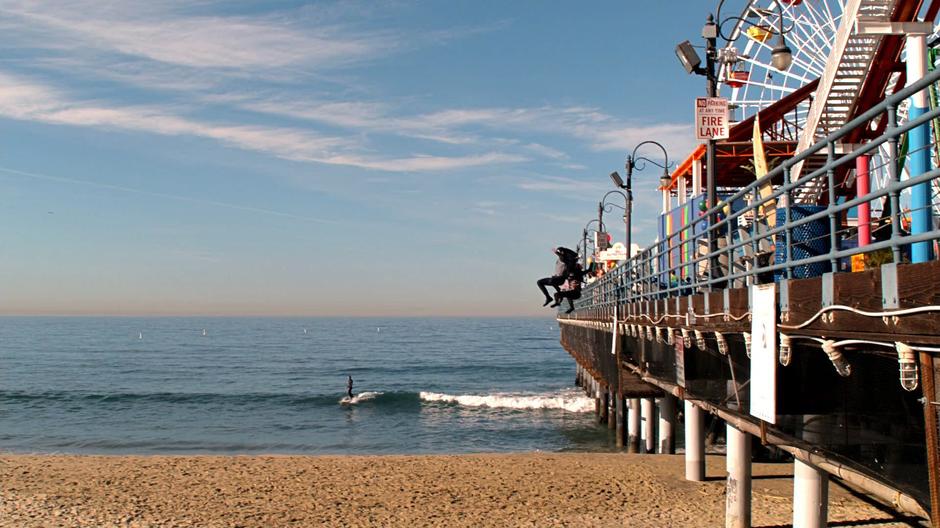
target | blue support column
[{"x": 919, "y": 141}]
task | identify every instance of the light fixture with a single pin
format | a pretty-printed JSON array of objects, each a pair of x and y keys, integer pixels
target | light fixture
[
  {"x": 688, "y": 57},
  {"x": 722, "y": 343},
  {"x": 782, "y": 56},
  {"x": 784, "y": 352},
  {"x": 907, "y": 367},
  {"x": 665, "y": 181},
  {"x": 615, "y": 177},
  {"x": 685, "y": 338},
  {"x": 700, "y": 340},
  {"x": 838, "y": 360},
  {"x": 747, "y": 343}
]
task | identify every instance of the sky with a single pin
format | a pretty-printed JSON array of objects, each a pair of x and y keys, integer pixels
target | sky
[{"x": 333, "y": 158}]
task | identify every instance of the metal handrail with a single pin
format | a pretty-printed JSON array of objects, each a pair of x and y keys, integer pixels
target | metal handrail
[{"x": 651, "y": 275}]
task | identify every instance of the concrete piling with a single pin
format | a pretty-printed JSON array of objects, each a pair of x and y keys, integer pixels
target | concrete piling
[
  {"x": 649, "y": 425},
  {"x": 694, "y": 442},
  {"x": 738, "y": 485},
  {"x": 633, "y": 426},
  {"x": 667, "y": 424},
  {"x": 621, "y": 421},
  {"x": 611, "y": 410},
  {"x": 810, "y": 496}
]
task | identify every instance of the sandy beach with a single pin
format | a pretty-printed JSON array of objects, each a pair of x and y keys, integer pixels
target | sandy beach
[{"x": 533, "y": 489}]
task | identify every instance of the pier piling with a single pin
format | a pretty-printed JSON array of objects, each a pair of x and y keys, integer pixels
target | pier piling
[
  {"x": 603, "y": 397},
  {"x": 667, "y": 424},
  {"x": 611, "y": 409},
  {"x": 738, "y": 485},
  {"x": 694, "y": 442},
  {"x": 810, "y": 496},
  {"x": 633, "y": 426},
  {"x": 595, "y": 392},
  {"x": 649, "y": 425},
  {"x": 621, "y": 420}
]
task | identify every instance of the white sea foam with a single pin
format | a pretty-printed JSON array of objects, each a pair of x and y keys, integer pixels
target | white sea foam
[
  {"x": 571, "y": 401},
  {"x": 361, "y": 397}
]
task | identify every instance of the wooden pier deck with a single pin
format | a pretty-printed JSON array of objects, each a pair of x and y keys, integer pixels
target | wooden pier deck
[{"x": 863, "y": 428}]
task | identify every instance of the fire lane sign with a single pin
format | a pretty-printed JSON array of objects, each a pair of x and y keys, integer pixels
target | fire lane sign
[{"x": 711, "y": 118}]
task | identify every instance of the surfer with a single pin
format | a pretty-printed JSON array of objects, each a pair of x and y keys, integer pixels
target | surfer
[{"x": 349, "y": 385}]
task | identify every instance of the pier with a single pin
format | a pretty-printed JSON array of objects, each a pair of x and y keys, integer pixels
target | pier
[{"x": 798, "y": 305}]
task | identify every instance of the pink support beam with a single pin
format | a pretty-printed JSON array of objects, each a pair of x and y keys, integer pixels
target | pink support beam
[{"x": 862, "y": 188}]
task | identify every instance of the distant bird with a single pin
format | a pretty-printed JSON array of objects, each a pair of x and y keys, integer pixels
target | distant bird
[
  {"x": 378, "y": 329},
  {"x": 140, "y": 335},
  {"x": 203, "y": 331}
]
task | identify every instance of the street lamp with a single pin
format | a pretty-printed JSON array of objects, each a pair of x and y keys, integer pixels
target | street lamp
[
  {"x": 781, "y": 56},
  {"x": 781, "y": 59},
  {"x": 605, "y": 206},
  {"x": 584, "y": 238},
  {"x": 633, "y": 161}
]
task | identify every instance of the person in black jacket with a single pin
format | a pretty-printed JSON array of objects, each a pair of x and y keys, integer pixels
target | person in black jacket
[
  {"x": 566, "y": 260},
  {"x": 571, "y": 288}
]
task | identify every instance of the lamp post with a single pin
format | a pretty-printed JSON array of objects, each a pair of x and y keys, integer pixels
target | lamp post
[
  {"x": 639, "y": 163},
  {"x": 781, "y": 58},
  {"x": 584, "y": 238},
  {"x": 626, "y": 202}
]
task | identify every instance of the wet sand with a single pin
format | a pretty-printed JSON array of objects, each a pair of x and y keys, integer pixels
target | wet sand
[{"x": 534, "y": 489}]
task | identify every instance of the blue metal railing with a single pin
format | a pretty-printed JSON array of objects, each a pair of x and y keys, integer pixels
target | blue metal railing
[{"x": 733, "y": 251}]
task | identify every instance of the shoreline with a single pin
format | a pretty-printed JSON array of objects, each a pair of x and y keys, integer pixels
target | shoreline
[{"x": 487, "y": 489}]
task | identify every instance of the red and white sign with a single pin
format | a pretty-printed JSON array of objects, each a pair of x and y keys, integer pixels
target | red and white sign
[
  {"x": 711, "y": 118},
  {"x": 616, "y": 252}
]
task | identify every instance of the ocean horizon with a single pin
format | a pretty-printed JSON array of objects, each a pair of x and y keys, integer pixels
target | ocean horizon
[{"x": 250, "y": 385}]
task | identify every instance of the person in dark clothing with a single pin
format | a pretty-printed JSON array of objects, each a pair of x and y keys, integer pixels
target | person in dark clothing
[
  {"x": 566, "y": 259},
  {"x": 571, "y": 288},
  {"x": 349, "y": 385}
]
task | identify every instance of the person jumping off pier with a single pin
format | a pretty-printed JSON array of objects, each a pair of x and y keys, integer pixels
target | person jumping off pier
[
  {"x": 349, "y": 385},
  {"x": 566, "y": 260},
  {"x": 571, "y": 288}
]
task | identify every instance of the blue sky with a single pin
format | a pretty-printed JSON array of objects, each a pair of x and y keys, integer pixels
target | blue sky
[{"x": 375, "y": 158}]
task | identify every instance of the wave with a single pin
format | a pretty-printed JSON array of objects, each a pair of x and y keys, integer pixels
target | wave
[
  {"x": 29, "y": 398},
  {"x": 361, "y": 397},
  {"x": 571, "y": 401}
]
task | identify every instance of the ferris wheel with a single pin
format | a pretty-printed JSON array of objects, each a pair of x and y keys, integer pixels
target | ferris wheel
[{"x": 809, "y": 28}]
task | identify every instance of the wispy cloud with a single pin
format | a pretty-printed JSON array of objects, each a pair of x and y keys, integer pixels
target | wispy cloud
[
  {"x": 22, "y": 99},
  {"x": 176, "y": 47},
  {"x": 563, "y": 185},
  {"x": 165, "y": 33}
]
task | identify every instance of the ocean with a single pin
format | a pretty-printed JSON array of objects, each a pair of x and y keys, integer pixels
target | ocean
[{"x": 174, "y": 385}]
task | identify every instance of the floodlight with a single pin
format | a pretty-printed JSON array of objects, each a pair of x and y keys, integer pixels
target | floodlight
[
  {"x": 615, "y": 177},
  {"x": 688, "y": 57}
]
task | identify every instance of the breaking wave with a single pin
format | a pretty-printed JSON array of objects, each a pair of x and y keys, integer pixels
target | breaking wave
[{"x": 571, "y": 401}]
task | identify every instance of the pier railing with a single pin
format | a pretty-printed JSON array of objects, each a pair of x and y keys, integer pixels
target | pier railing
[
  {"x": 676, "y": 315},
  {"x": 758, "y": 234}
]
